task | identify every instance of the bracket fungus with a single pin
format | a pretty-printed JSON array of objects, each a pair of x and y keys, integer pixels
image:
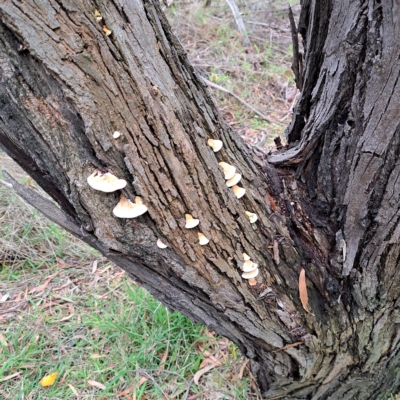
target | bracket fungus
[
  {"x": 161, "y": 245},
  {"x": 106, "y": 31},
  {"x": 105, "y": 182},
  {"x": 229, "y": 170},
  {"x": 251, "y": 274},
  {"x": 202, "y": 239},
  {"x": 252, "y": 282},
  {"x": 191, "y": 222},
  {"x": 246, "y": 257},
  {"x": 216, "y": 145},
  {"x": 97, "y": 15},
  {"x": 249, "y": 266},
  {"x": 116, "y": 135},
  {"x": 233, "y": 181},
  {"x": 239, "y": 192},
  {"x": 252, "y": 217},
  {"x": 126, "y": 209}
]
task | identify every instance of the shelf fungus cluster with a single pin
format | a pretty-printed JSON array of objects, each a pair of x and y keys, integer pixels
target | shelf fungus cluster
[
  {"x": 105, "y": 182},
  {"x": 192, "y": 223},
  {"x": 126, "y": 209},
  {"x": 232, "y": 179},
  {"x": 250, "y": 270}
]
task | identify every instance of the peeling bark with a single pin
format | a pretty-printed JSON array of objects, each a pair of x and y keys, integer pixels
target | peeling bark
[{"x": 328, "y": 204}]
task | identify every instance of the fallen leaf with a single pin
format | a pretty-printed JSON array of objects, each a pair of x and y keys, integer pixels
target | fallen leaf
[
  {"x": 94, "y": 267},
  {"x": 74, "y": 391},
  {"x": 241, "y": 371},
  {"x": 201, "y": 372},
  {"x": 42, "y": 287},
  {"x": 163, "y": 359},
  {"x": 272, "y": 202},
  {"x": 288, "y": 346},
  {"x": 3, "y": 340},
  {"x": 48, "y": 380},
  {"x": 7, "y": 378},
  {"x": 96, "y": 384},
  {"x": 303, "y": 290},
  {"x": 96, "y": 356},
  {"x": 276, "y": 252},
  {"x": 142, "y": 380}
]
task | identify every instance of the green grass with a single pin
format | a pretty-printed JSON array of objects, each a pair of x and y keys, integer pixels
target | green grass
[{"x": 70, "y": 311}]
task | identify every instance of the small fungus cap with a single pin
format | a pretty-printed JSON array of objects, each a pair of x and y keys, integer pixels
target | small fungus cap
[
  {"x": 161, "y": 245},
  {"x": 233, "y": 181},
  {"x": 216, "y": 145},
  {"x": 229, "y": 170},
  {"x": 252, "y": 282},
  {"x": 251, "y": 274},
  {"x": 191, "y": 222},
  {"x": 105, "y": 182},
  {"x": 126, "y": 209},
  {"x": 116, "y": 135},
  {"x": 252, "y": 217},
  {"x": 249, "y": 266},
  {"x": 202, "y": 239},
  {"x": 246, "y": 257},
  {"x": 239, "y": 192}
]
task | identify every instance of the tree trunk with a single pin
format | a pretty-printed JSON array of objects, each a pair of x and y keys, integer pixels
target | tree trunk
[{"x": 328, "y": 204}]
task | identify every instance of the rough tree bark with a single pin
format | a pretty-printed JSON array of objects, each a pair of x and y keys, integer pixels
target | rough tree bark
[{"x": 330, "y": 201}]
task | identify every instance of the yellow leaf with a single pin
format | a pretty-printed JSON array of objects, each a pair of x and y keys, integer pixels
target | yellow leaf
[{"x": 48, "y": 380}]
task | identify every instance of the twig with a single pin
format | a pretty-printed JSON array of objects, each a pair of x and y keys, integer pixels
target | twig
[
  {"x": 6, "y": 183},
  {"x": 46, "y": 207},
  {"x": 297, "y": 64},
  {"x": 239, "y": 22},
  {"x": 263, "y": 116}
]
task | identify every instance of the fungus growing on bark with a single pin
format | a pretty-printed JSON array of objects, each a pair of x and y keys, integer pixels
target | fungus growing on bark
[
  {"x": 252, "y": 217},
  {"x": 246, "y": 257},
  {"x": 126, "y": 209},
  {"x": 116, "y": 135},
  {"x": 202, "y": 239},
  {"x": 216, "y": 145},
  {"x": 233, "y": 181},
  {"x": 249, "y": 266},
  {"x": 191, "y": 222},
  {"x": 161, "y": 245},
  {"x": 106, "y": 31},
  {"x": 252, "y": 282},
  {"x": 239, "y": 192},
  {"x": 251, "y": 274},
  {"x": 97, "y": 15},
  {"x": 105, "y": 182},
  {"x": 229, "y": 170}
]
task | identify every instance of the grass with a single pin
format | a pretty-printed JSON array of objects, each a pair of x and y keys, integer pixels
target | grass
[{"x": 65, "y": 309}]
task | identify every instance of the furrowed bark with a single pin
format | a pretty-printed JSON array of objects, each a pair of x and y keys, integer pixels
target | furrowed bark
[{"x": 66, "y": 87}]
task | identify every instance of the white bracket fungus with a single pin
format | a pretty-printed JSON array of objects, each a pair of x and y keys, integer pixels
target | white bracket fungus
[
  {"x": 252, "y": 217},
  {"x": 98, "y": 15},
  {"x": 233, "y": 181},
  {"x": 105, "y": 182},
  {"x": 239, "y": 192},
  {"x": 246, "y": 257},
  {"x": 161, "y": 245},
  {"x": 116, "y": 135},
  {"x": 202, "y": 239},
  {"x": 191, "y": 222},
  {"x": 249, "y": 266},
  {"x": 229, "y": 170},
  {"x": 126, "y": 209},
  {"x": 251, "y": 274},
  {"x": 216, "y": 145}
]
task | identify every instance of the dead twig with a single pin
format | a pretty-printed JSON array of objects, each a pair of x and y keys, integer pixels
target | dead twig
[{"x": 263, "y": 116}]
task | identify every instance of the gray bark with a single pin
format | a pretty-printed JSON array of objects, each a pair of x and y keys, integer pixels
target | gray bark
[{"x": 66, "y": 87}]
